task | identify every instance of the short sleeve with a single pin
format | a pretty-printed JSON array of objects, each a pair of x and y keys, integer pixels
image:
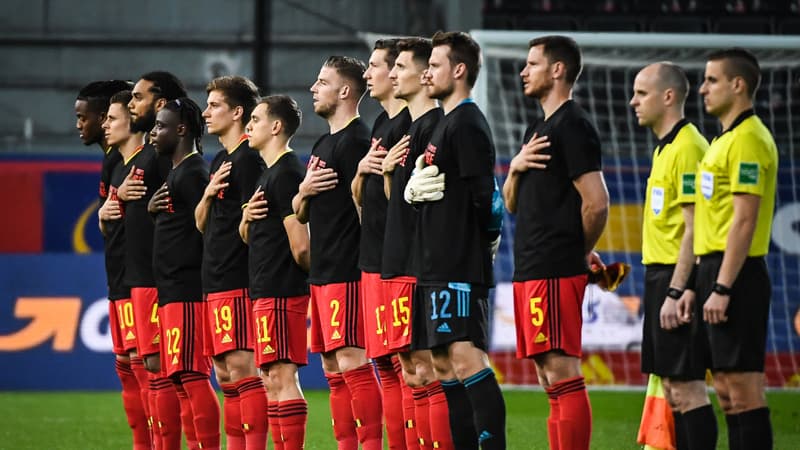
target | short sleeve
[
  {"x": 748, "y": 164},
  {"x": 687, "y": 161},
  {"x": 581, "y": 146}
]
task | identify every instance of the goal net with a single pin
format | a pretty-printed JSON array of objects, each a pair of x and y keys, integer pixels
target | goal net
[{"x": 613, "y": 321}]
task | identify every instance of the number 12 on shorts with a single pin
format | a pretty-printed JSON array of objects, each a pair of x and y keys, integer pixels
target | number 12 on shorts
[{"x": 442, "y": 310}]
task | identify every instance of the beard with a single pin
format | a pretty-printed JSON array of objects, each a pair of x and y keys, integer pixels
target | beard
[
  {"x": 144, "y": 123},
  {"x": 325, "y": 111},
  {"x": 440, "y": 93}
]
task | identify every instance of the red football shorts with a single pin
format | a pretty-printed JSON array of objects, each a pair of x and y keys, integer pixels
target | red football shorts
[
  {"x": 375, "y": 337},
  {"x": 122, "y": 325},
  {"x": 547, "y": 315},
  {"x": 145, "y": 308},
  {"x": 229, "y": 322},
  {"x": 182, "y": 342},
  {"x": 337, "y": 318},
  {"x": 398, "y": 294},
  {"x": 281, "y": 332}
]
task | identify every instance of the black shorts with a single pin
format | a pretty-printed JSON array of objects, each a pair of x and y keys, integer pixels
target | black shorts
[
  {"x": 679, "y": 354},
  {"x": 450, "y": 312},
  {"x": 738, "y": 345}
]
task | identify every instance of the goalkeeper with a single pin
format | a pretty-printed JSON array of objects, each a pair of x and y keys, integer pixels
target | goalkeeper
[
  {"x": 673, "y": 344},
  {"x": 562, "y": 208}
]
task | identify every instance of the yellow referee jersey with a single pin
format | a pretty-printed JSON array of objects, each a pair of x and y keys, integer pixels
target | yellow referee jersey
[
  {"x": 743, "y": 159},
  {"x": 671, "y": 185}
]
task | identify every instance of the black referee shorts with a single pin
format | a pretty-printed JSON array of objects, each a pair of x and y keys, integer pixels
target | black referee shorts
[
  {"x": 679, "y": 354},
  {"x": 738, "y": 345},
  {"x": 444, "y": 313}
]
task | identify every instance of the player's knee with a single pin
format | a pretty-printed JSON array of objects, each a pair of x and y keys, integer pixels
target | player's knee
[
  {"x": 241, "y": 364},
  {"x": 329, "y": 362},
  {"x": 123, "y": 358},
  {"x": 442, "y": 366},
  {"x": 349, "y": 358},
  {"x": 152, "y": 363}
]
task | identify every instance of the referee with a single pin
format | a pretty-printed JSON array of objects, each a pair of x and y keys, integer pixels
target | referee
[
  {"x": 673, "y": 342},
  {"x": 733, "y": 217}
]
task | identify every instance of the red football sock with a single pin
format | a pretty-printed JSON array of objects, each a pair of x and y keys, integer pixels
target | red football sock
[
  {"x": 205, "y": 409},
  {"x": 187, "y": 419},
  {"x": 169, "y": 414},
  {"x": 143, "y": 378},
  {"x": 552, "y": 420},
  {"x": 575, "y": 414},
  {"x": 422, "y": 421},
  {"x": 132, "y": 402},
  {"x": 367, "y": 406},
  {"x": 344, "y": 427},
  {"x": 410, "y": 430},
  {"x": 155, "y": 422},
  {"x": 293, "y": 418},
  {"x": 392, "y": 402},
  {"x": 439, "y": 417},
  {"x": 254, "y": 411},
  {"x": 273, "y": 418},
  {"x": 232, "y": 413}
]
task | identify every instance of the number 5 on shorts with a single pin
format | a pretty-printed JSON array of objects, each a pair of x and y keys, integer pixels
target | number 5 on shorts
[{"x": 537, "y": 314}]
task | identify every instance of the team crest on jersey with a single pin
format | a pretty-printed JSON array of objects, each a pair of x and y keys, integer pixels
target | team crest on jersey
[
  {"x": 103, "y": 190},
  {"x": 404, "y": 157},
  {"x": 430, "y": 153},
  {"x": 221, "y": 193},
  {"x": 170, "y": 208},
  {"x": 315, "y": 160},
  {"x": 657, "y": 199},
  {"x": 138, "y": 174}
]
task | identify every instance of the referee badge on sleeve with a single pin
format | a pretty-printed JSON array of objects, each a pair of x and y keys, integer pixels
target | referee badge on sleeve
[
  {"x": 707, "y": 184},
  {"x": 748, "y": 173},
  {"x": 657, "y": 199},
  {"x": 687, "y": 184}
]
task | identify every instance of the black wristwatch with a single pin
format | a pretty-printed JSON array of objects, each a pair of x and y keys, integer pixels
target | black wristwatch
[
  {"x": 721, "y": 289},
  {"x": 674, "y": 293}
]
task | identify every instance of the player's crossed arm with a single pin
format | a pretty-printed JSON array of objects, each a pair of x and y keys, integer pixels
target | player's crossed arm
[
  {"x": 396, "y": 154},
  {"x": 218, "y": 182},
  {"x": 255, "y": 209},
  {"x": 529, "y": 157},
  {"x": 316, "y": 181},
  {"x": 370, "y": 164},
  {"x": 159, "y": 202},
  {"x": 131, "y": 188}
]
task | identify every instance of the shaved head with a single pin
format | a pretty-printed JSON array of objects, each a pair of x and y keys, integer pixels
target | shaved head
[{"x": 671, "y": 76}]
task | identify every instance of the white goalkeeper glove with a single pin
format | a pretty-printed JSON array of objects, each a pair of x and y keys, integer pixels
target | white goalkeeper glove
[
  {"x": 426, "y": 184},
  {"x": 494, "y": 245}
]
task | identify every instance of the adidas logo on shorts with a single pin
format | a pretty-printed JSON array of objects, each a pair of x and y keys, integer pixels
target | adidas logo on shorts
[
  {"x": 540, "y": 338},
  {"x": 444, "y": 328},
  {"x": 267, "y": 350},
  {"x": 226, "y": 339}
]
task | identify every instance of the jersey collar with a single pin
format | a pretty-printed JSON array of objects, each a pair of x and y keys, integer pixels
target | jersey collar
[
  {"x": 666, "y": 140},
  {"x": 739, "y": 119}
]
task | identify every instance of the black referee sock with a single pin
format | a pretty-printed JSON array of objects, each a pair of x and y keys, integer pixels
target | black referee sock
[
  {"x": 681, "y": 442},
  {"x": 462, "y": 427},
  {"x": 755, "y": 429},
  {"x": 734, "y": 436},
  {"x": 700, "y": 427},
  {"x": 488, "y": 409}
]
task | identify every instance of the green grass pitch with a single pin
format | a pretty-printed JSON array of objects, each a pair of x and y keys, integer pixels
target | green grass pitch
[{"x": 95, "y": 420}]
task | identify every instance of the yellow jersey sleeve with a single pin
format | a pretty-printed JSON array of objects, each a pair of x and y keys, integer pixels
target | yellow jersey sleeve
[{"x": 749, "y": 163}]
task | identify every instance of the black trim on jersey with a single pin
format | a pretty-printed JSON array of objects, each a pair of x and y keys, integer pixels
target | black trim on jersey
[
  {"x": 177, "y": 244},
  {"x": 401, "y": 218},
  {"x": 225, "y": 258},
  {"x": 273, "y": 271},
  {"x": 739, "y": 119},
  {"x": 666, "y": 140},
  {"x": 374, "y": 204},
  {"x": 333, "y": 219},
  {"x": 152, "y": 168}
]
